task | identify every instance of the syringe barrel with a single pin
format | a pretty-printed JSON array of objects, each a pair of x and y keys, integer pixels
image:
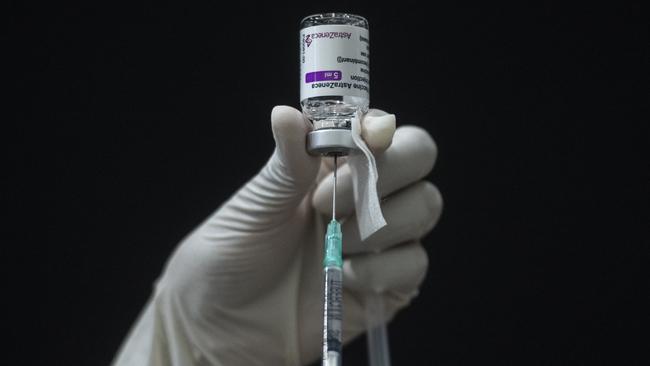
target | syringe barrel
[{"x": 333, "y": 316}]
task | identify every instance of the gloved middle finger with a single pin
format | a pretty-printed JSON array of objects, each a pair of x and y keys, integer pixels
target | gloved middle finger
[
  {"x": 410, "y": 213},
  {"x": 410, "y": 158}
]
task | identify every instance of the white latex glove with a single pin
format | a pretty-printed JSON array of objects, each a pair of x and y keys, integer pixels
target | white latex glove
[{"x": 245, "y": 288}]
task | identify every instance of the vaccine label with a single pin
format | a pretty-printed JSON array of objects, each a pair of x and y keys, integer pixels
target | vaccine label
[{"x": 334, "y": 61}]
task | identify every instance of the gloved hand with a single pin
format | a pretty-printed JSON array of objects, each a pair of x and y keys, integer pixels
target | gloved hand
[{"x": 245, "y": 288}]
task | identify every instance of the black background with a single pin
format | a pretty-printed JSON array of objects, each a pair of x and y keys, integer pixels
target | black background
[{"x": 155, "y": 114}]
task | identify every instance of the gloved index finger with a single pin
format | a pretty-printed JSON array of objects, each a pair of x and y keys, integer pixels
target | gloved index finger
[
  {"x": 377, "y": 130},
  {"x": 409, "y": 159}
]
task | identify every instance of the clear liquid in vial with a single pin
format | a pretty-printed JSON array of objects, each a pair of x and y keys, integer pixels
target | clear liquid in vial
[{"x": 333, "y": 111}]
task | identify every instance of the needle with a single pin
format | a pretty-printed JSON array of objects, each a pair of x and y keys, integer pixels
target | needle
[
  {"x": 333, "y": 277},
  {"x": 334, "y": 194}
]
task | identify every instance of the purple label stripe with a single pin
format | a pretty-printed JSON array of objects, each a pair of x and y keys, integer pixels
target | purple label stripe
[{"x": 310, "y": 77}]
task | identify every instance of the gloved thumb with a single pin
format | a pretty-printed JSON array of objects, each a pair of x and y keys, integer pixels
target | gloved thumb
[
  {"x": 272, "y": 196},
  {"x": 290, "y": 130}
]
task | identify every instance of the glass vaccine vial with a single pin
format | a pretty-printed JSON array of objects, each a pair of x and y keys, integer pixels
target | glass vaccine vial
[{"x": 334, "y": 78}]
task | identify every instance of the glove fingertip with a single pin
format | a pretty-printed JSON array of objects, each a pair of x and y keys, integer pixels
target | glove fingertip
[
  {"x": 290, "y": 128},
  {"x": 288, "y": 122},
  {"x": 378, "y": 131}
]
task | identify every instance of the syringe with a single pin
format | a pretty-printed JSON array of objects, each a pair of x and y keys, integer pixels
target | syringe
[{"x": 333, "y": 268}]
